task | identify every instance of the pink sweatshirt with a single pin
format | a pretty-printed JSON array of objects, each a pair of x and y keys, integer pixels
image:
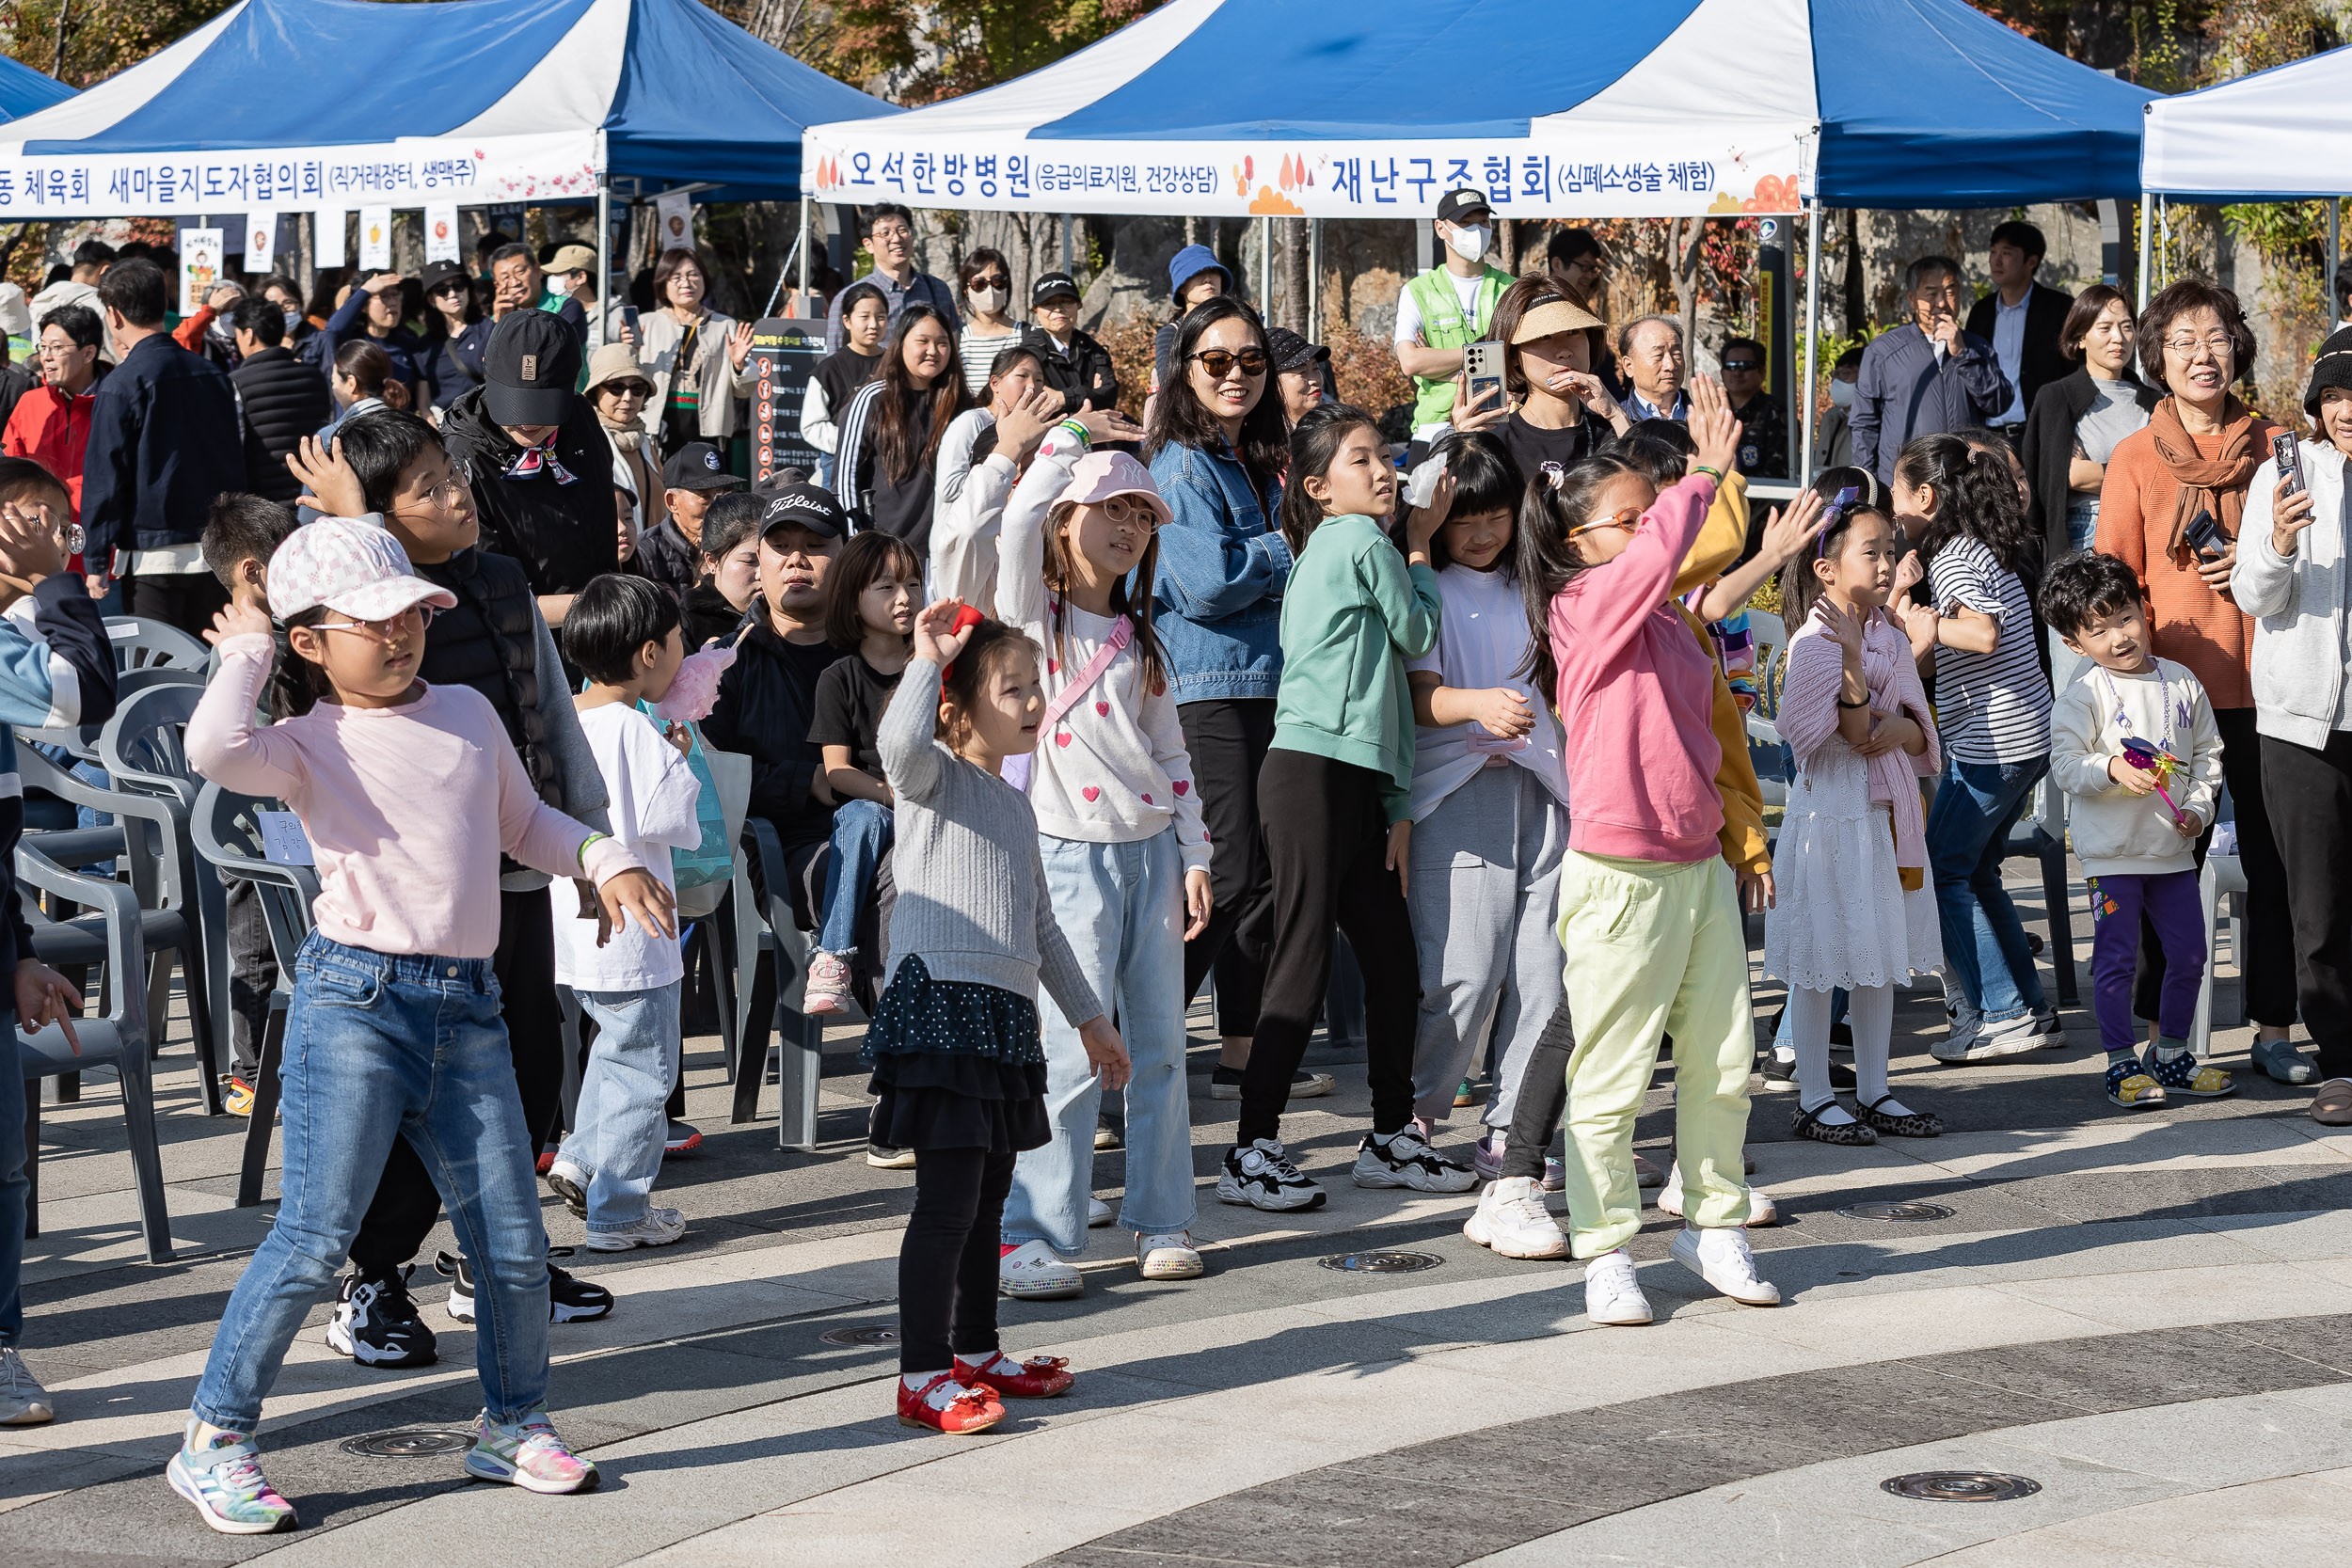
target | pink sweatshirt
[
  {"x": 406, "y": 807},
  {"x": 1636, "y": 694}
]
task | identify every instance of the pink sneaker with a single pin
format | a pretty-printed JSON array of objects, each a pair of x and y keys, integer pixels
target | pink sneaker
[{"x": 828, "y": 985}]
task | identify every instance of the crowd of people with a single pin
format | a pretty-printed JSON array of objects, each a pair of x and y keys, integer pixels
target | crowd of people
[{"x": 1038, "y": 696}]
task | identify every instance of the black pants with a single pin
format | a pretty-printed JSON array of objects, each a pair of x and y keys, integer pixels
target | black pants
[
  {"x": 2266, "y": 970},
  {"x": 405, "y": 1204},
  {"x": 252, "y": 976},
  {"x": 948, "y": 1258},
  {"x": 1327, "y": 841},
  {"x": 2309, "y": 796},
  {"x": 187, "y": 600},
  {"x": 1543, "y": 1098},
  {"x": 1228, "y": 738}
]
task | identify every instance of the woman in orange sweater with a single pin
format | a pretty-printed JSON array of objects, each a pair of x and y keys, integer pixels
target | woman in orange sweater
[{"x": 2197, "y": 456}]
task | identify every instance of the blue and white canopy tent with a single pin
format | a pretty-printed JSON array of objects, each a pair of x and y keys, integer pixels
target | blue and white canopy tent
[
  {"x": 1558, "y": 108},
  {"x": 324, "y": 106},
  {"x": 24, "y": 91}
]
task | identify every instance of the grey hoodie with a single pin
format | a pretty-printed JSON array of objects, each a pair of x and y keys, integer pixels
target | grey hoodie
[{"x": 2299, "y": 603}]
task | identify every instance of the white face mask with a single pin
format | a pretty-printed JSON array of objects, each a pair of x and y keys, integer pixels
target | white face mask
[
  {"x": 990, "y": 300},
  {"x": 1468, "y": 240},
  {"x": 1841, "y": 392}
]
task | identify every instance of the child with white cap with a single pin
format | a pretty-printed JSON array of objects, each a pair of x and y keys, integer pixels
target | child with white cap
[{"x": 394, "y": 1028}]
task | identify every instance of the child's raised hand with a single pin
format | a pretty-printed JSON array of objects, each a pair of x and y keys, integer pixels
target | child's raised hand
[
  {"x": 1023, "y": 429},
  {"x": 1422, "y": 523},
  {"x": 1920, "y": 621},
  {"x": 1502, "y": 712},
  {"x": 2133, "y": 781},
  {"x": 1106, "y": 1052},
  {"x": 1105, "y": 424},
  {"x": 1712, "y": 427},
  {"x": 327, "y": 478},
  {"x": 1792, "y": 528},
  {"x": 242, "y": 616},
  {"x": 1907, "y": 575},
  {"x": 937, "y": 637},
  {"x": 1197, "y": 901},
  {"x": 638, "y": 895},
  {"x": 1846, "y": 629}
]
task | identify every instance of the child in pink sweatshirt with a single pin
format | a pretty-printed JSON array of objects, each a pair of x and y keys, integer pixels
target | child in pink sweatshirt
[{"x": 1649, "y": 916}]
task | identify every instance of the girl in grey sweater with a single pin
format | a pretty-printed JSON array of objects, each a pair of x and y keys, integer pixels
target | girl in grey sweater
[{"x": 959, "y": 1071}]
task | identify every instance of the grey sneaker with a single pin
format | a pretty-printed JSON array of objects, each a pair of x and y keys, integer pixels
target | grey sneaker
[{"x": 23, "y": 1402}]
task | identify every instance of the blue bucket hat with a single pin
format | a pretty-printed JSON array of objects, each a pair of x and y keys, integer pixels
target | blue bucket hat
[{"x": 1190, "y": 262}]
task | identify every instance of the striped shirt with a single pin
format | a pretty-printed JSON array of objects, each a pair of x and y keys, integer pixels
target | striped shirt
[{"x": 1995, "y": 706}]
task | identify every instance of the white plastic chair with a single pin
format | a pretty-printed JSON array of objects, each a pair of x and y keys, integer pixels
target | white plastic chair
[
  {"x": 1770, "y": 635},
  {"x": 2222, "y": 874}
]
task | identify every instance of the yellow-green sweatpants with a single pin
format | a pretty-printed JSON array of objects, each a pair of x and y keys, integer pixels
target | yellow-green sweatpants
[{"x": 1654, "y": 949}]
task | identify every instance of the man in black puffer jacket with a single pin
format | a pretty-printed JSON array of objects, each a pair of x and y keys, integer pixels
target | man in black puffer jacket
[{"x": 283, "y": 398}]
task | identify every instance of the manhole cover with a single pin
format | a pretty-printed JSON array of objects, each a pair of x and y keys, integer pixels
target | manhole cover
[
  {"x": 865, "y": 1334},
  {"x": 411, "y": 1443},
  {"x": 1896, "y": 1212},
  {"x": 1961, "y": 1486},
  {"x": 1383, "y": 1262}
]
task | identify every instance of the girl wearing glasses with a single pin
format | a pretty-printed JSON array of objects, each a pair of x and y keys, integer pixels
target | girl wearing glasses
[{"x": 989, "y": 329}]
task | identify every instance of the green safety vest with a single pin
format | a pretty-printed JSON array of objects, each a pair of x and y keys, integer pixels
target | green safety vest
[{"x": 1444, "y": 325}]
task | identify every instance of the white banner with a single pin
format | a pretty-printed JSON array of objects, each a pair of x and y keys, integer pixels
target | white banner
[
  {"x": 327, "y": 224},
  {"x": 1556, "y": 171},
  {"x": 260, "y": 240},
  {"x": 375, "y": 237},
  {"x": 674, "y": 220},
  {"x": 440, "y": 232},
  {"x": 413, "y": 172},
  {"x": 199, "y": 266}
]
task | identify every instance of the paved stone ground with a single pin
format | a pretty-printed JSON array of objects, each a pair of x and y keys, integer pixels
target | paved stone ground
[{"x": 2148, "y": 1314}]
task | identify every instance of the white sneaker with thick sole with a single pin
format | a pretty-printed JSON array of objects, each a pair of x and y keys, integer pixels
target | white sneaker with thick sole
[
  {"x": 1511, "y": 1220},
  {"x": 1611, "y": 1295},
  {"x": 660, "y": 1227},
  {"x": 1721, "y": 1256},
  {"x": 1762, "y": 1208},
  {"x": 1979, "y": 1042},
  {"x": 1169, "y": 1257},
  {"x": 1033, "y": 1271},
  {"x": 1098, "y": 1214}
]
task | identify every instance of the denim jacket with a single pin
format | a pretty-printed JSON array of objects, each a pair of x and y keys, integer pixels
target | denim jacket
[{"x": 1218, "y": 597}]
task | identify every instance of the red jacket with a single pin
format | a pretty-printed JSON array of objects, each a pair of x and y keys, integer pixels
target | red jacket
[{"x": 52, "y": 429}]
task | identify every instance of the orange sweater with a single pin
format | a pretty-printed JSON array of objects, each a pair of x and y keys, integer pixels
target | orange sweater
[{"x": 2192, "y": 624}]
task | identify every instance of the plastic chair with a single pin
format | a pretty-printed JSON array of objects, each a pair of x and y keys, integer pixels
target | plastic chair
[
  {"x": 1766, "y": 750},
  {"x": 118, "y": 1038},
  {"x": 229, "y": 836},
  {"x": 2223, "y": 874},
  {"x": 142, "y": 642},
  {"x": 768, "y": 926}
]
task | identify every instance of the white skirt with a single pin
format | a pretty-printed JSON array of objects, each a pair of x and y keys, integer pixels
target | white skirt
[{"x": 1841, "y": 916}]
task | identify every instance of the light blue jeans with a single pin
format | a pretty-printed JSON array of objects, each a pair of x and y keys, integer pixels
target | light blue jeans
[
  {"x": 620, "y": 1123},
  {"x": 380, "y": 1046},
  {"x": 1984, "y": 942},
  {"x": 862, "y": 831},
  {"x": 1121, "y": 905}
]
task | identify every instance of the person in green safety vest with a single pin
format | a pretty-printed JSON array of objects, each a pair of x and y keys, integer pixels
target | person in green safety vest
[{"x": 1446, "y": 306}]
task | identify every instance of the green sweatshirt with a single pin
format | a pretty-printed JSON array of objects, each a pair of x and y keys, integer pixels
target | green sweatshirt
[{"x": 1353, "y": 613}]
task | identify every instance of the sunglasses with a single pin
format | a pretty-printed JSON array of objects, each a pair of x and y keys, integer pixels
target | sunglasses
[
  {"x": 1624, "y": 519},
  {"x": 1219, "y": 362},
  {"x": 999, "y": 282},
  {"x": 624, "y": 388},
  {"x": 1743, "y": 364}
]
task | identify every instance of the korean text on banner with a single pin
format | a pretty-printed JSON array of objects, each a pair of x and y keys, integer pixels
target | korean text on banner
[
  {"x": 375, "y": 236},
  {"x": 674, "y": 213},
  {"x": 199, "y": 266},
  {"x": 441, "y": 233},
  {"x": 260, "y": 240},
  {"x": 327, "y": 230}
]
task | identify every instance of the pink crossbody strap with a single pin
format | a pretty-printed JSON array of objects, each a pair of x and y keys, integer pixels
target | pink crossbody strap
[{"x": 1121, "y": 631}]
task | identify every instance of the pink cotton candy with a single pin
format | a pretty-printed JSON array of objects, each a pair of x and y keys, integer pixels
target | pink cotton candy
[{"x": 695, "y": 692}]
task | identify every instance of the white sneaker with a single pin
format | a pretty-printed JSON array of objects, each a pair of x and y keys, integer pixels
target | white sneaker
[
  {"x": 23, "y": 1402},
  {"x": 1611, "y": 1295},
  {"x": 1098, "y": 1214},
  {"x": 1979, "y": 1042},
  {"x": 570, "y": 1184},
  {"x": 1721, "y": 1256},
  {"x": 1762, "y": 1208},
  {"x": 1406, "y": 1160},
  {"x": 1032, "y": 1271},
  {"x": 660, "y": 1227},
  {"x": 1511, "y": 1220},
  {"x": 1171, "y": 1255}
]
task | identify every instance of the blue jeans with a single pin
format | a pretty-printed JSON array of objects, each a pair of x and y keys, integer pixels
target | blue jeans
[
  {"x": 1121, "y": 905},
  {"x": 1984, "y": 943},
  {"x": 861, "y": 836},
  {"x": 380, "y": 1046},
  {"x": 13, "y": 1183},
  {"x": 620, "y": 1123},
  {"x": 2082, "y": 520}
]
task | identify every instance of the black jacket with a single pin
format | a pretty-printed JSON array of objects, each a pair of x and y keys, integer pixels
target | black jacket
[
  {"x": 563, "y": 534},
  {"x": 452, "y": 365},
  {"x": 2042, "y": 361},
  {"x": 2049, "y": 451},
  {"x": 163, "y": 442},
  {"x": 283, "y": 400},
  {"x": 707, "y": 614},
  {"x": 1084, "y": 377},
  {"x": 663, "y": 556},
  {"x": 15, "y": 381},
  {"x": 765, "y": 704}
]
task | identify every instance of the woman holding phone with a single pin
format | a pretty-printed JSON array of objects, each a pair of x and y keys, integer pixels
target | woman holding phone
[
  {"x": 1553, "y": 407},
  {"x": 2171, "y": 508}
]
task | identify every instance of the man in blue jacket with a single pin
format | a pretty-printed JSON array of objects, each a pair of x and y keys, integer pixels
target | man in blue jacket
[
  {"x": 1925, "y": 377},
  {"x": 165, "y": 440}
]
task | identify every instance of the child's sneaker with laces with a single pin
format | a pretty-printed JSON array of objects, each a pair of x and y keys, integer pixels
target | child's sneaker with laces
[
  {"x": 529, "y": 1454},
  {"x": 2129, "y": 1085},
  {"x": 1511, "y": 1220},
  {"x": 1721, "y": 1256},
  {"x": 828, "y": 986},
  {"x": 1612, "y": 1294},
  {"x": 2174, "y": 1065},
  {"x": 660, "y": 1227},
  {"x": 221, "y": 1474}
]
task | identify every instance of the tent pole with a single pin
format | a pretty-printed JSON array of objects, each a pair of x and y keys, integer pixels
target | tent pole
[
  {"x": 1265, "y": 269},
  {"x": 2146, "y": 224},
  {"x": 1805, "y": 388},
  {"x": 1314, "y": 280},
  {"x": 801, "y": 305},
  {"x": 2335, "y": 258},
  {"x": 604, "y": 248}
]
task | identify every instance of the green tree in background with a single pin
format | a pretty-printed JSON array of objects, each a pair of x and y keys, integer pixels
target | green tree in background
[{"x": 82, "y": 42}]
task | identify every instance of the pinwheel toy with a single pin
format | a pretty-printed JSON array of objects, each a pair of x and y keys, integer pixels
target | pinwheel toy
[{"x": 2148, "y": 759}]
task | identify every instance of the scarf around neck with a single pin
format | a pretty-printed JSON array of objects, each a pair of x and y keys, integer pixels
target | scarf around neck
[{"x": 2215, "y": 484}]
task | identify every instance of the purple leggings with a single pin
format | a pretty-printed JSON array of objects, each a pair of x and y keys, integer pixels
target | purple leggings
[{"x": 2178, "y": 916}]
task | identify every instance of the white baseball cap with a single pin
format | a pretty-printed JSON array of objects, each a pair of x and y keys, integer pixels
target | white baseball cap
[{"x": 348, "y": 567}]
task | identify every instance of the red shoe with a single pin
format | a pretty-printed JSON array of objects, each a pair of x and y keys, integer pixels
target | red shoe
[
  {"x": 974, "y": 1410},
  {"x": 1040, "y": 1377},
  {"x": 546, "y": 1161}
]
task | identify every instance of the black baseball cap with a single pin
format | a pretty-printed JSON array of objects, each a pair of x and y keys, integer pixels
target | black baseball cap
[
  {"x": 1291, "y": 351},
  {"x": 809, "y": 507},
  {"x": 1052, "y": 284},
  {"x": 529, "y": 370},
  {"x": 437, "y": 272},
  {"x": 1455, "y": 205},
  {"x": 698, "y": 466}
]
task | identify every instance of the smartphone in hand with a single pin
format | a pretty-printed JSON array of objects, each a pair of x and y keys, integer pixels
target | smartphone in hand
[
  {"x": 1482, "y": 373},
  {"x": 2289, "y": 457},
  {"x": 2207, "y": 537}
]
